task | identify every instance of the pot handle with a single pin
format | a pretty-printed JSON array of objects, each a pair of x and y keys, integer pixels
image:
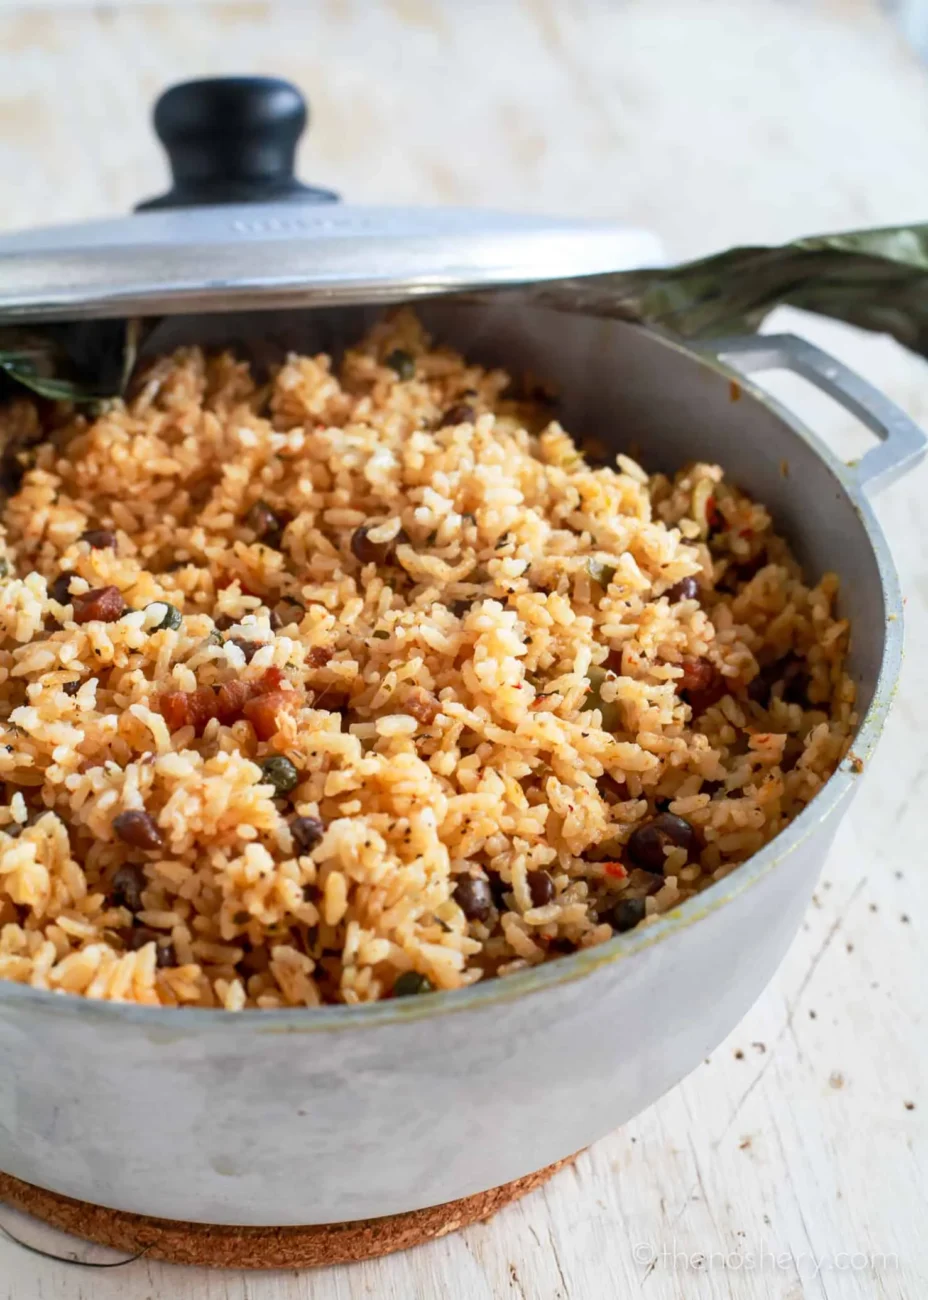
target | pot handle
[{"x": 902, "y": 442}]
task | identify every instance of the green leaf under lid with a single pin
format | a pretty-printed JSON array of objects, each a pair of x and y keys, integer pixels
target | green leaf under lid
[
  {"x": 875, "y": 279},
  {"x": 87, "y": 362}
]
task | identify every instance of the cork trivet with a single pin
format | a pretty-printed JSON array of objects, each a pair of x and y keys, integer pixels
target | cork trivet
[{"x": 217, "y": 1246}]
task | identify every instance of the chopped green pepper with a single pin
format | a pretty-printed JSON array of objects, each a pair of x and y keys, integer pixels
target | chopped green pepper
[
  {"x": 281, "y": 774},
  {"x": 172, "y": 616},
  {"x": 411, "y": 983},
  {"x": 600, "y": 571},
  {"x": 609, "y": 709}
]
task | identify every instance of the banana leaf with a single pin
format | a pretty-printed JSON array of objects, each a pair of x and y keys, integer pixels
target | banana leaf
[
  {"x": 875, "y": 279},
  {"x": 85, "y": 362}
]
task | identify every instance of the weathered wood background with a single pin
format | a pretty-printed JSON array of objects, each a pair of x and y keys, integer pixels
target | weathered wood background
[{"x": 792, "y": 1163}]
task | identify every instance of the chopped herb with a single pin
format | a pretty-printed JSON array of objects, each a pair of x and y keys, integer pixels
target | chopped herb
[
  {"x": 402, "y": 363},
  {"x": 172, "y": 619},
  {"x": 411, "y": 983},
  {"x": 611, "y": 713},
  {"x": 281, "y": 774},
  {"x": 600, "y": 571}
]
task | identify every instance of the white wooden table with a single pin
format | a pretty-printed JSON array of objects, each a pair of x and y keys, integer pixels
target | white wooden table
[{"x": 794, "y": 1162}]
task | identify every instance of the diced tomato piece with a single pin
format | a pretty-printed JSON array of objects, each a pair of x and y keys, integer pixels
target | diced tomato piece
[
  {"x": 188, "y": 709},
  {"x": 202, "y": 708},
  {"x": 263, "y": 712},
  {"x": 272, "y": 679},
  {"x": 173, "y": 708},
  {"x": 104, "y": 604},
  {"x": 259, "y": 701},
  {"x": 230, "y": 701}
]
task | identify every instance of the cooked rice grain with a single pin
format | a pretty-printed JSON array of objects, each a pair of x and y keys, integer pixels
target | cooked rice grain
[{"x": 505, "y": 689}]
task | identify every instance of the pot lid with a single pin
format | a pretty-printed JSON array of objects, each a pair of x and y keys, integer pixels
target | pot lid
[{"x": 238, "y": 231}]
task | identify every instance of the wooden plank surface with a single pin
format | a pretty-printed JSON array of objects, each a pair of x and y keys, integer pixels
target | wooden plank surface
[{"x": 793, "y": 1163}]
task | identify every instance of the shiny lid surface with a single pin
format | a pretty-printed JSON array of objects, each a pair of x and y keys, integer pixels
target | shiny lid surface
[{"x": 254, "y": 256}]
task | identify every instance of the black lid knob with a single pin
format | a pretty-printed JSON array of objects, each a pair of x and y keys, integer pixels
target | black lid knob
[{"x": 233, "y": 140}]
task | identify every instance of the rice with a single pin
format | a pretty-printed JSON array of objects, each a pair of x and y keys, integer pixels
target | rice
[{"x": 470, "y": 651}]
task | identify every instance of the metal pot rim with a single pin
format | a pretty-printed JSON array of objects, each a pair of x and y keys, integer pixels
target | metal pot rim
[{"x": 174, "y": 1022}]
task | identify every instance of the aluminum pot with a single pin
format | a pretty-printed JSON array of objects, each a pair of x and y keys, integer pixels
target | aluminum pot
[{"x": 313, "y": 1116}]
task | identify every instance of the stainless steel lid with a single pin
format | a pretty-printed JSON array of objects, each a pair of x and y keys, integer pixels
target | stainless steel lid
[
  {"x": 256, "y": 256},
  {"x": 234, "y": 139}
]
